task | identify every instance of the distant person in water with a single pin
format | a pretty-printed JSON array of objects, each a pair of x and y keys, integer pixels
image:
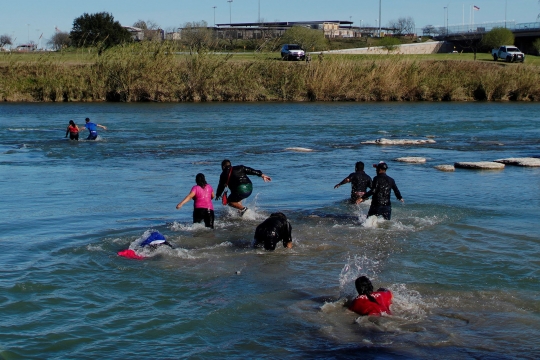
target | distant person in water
[
  {"x": 273, "y": 230},
  {"x": 73, "y": 131},
  {"x": 369, "y": 302},
  {"x": 92, "y": 129},
  {"x": 203, "y": 209},
  {"x": 236, "y": 178},
  {"x": 381, "y": 189},
  {"x": 359, "y": 180}
]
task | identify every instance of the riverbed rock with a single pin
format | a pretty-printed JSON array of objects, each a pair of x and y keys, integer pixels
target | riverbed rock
[
  {"x": 383, "y": 141},
  {"x": 299, "y": 149},
  {"x": 482, "y": 165},
  {"x": 528, "y": 161},
  {"x": 412, "y": 159},
  {"x": 445, "y": 167}
]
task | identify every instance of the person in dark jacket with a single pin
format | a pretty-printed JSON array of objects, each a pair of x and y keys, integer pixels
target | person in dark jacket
[
  {"x": 359, "y": 180},
  {"x": 273, "y": 230},
  {"x": 236, "y": 178},
  {"x": 381, "y": 189}
]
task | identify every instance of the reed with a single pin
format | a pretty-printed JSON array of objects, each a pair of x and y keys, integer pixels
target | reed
[{"x": 152, "y": 72}]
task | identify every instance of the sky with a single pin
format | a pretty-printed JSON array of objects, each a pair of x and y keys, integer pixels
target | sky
[{"x": 26, "y": 20}]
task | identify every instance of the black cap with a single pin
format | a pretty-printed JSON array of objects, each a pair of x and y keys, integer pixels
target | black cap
[{"x": 381, "y": 166}]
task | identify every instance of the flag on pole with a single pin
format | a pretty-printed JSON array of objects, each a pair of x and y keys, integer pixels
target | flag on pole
[{"x": 476, "y": 8}]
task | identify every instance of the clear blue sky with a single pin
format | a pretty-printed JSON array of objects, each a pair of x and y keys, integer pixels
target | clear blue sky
[{"x": 28, "y": 19}]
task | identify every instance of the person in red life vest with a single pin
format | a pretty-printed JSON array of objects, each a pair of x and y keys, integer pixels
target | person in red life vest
[
  {"x": 73, "y": 131},
  {"x": 369, "y": 302}
]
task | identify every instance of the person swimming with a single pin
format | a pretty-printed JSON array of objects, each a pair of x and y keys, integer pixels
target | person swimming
[
  {"x": 152, "y": 241},
  {"x": 369, "y": 302},
  {"x": 273, "y": 230}
]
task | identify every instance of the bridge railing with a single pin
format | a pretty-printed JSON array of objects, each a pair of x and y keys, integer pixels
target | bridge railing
[{"x": 527, "y": 26}]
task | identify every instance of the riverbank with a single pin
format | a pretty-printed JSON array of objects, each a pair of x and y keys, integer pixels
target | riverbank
[{"x": 135, "y": 74}]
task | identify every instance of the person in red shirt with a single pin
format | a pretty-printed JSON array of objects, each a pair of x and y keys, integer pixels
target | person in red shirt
[
  {"x": 73, "y": 131},
  {"x": 369, "y": 302}
]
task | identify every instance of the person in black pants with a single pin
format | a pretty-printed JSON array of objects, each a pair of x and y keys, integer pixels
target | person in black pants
[
  {"x": 382, "y": 187},
  {"x": 359, "y": 180}
]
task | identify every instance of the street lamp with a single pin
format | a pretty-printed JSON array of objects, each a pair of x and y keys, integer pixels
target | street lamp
[
  {"x": 214, "y": 7},
  {"x": 28, "y": 33},
  {"x": 444, "y": 19},
  {"x": 380, "y": 18},
  {"x": 230, "y": 11},
  {"x": 259, "y": 12},
  {"x": 505, "y": 9}
]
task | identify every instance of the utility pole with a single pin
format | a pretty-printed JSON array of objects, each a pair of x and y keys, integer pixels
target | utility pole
[
  {"x": 28, "y": 33},
  {"x": 230, "y": 11},
  {"x": 505, "y": 9},
  {"x": 259, "y": 21},
  {"x": 380, "y": 18},
  {"x": 214, "y": 15},
  {"x": 447, "y": 20}
]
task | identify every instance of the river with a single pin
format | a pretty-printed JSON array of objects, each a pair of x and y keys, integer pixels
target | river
[{"x": 461, "y": 255}]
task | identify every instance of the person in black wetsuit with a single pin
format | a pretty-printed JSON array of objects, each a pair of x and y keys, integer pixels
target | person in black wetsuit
[
  {"x": 236, "y": 178},
  {"x": 382, "y": 186},
  {"x": 273, "y": 230},
  {"x": 359, "y": 180}
]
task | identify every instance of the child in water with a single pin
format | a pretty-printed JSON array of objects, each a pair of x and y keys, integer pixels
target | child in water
[{"x": 369, "y": 302}]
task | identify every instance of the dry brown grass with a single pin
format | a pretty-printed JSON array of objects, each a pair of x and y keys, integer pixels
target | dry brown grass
[{"x": 150, "y": 72}]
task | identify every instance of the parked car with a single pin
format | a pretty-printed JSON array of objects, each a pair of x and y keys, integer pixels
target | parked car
[
  {"x": 292, "y": 52},
  {"x": 509, "y": 53}
]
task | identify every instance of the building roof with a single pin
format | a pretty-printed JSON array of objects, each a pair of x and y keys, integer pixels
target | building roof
[{"x": 285, "y": 23}]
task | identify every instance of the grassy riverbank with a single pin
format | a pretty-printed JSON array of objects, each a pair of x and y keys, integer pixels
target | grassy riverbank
[{"x": 154, "y": 73}]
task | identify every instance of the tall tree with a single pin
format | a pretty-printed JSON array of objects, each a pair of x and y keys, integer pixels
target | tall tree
[
  {"x": 308, "y": 39},
  {"x": 402, "y": 26},
  {"x": 151, "y": 30},
  {"x": 197, "y": 36},
  {"x": 5, "y": 40},
  {"x": 60, "y": 40},
  {"x": 497, "y": 37},
  {"x": 98, "y": 29}
]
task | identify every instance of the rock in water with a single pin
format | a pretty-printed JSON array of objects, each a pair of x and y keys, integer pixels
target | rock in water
[
  {"x": 445, "y": 167},
  {"x": 528, "y": 161},
  {"x": 412, "y": 159},
  {"x": 482, "y": 165},
  {"x": 383, "y": 141}
]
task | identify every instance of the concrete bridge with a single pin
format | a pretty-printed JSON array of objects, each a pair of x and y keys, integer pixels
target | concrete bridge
[{"x": 469, "y": 36}]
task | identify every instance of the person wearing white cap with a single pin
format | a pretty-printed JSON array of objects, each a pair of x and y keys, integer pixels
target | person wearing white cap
[{"x": 381, "y": 189}]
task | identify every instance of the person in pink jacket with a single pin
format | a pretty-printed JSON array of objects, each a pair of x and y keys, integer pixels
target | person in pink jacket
[{"x": 203, "y": 194}]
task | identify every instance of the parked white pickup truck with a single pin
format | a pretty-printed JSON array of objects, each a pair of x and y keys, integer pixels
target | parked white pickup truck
[{"x": 509, "y": 53}]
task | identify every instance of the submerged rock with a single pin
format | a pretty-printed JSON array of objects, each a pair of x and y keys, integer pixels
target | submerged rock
[
  {"x": 485, "y": 165},
  {"x": 412, "y": 159},
  {"x": 445, "y": 167},
  {"x": 299, "y": 149},
  {"x": 383, "y": 141},
  {"x": 528, "y": 161}
]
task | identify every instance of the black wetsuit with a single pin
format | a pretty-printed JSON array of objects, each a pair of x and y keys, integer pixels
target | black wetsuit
[
  {"x": 380, "y": 203},
  {"x": 239, "y": 184},
  {"x": 360, "y": 181},
  {"x": 273, "y": 230}
]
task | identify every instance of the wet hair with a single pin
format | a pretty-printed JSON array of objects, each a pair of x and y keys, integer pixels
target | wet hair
[
  {"x": 359, "y": 166},
  {"x": 365, "y": 287},
  {"x": 279, "y": 214},
  {"x": 225, "y": 163},
  {"x": 200, "y": 180},
  {"x": 71, "y": 122},
  {"x": 87, "y": 119}
]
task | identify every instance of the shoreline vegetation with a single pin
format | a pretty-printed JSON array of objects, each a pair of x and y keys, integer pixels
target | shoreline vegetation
[{"x": 149, "y": 72}]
